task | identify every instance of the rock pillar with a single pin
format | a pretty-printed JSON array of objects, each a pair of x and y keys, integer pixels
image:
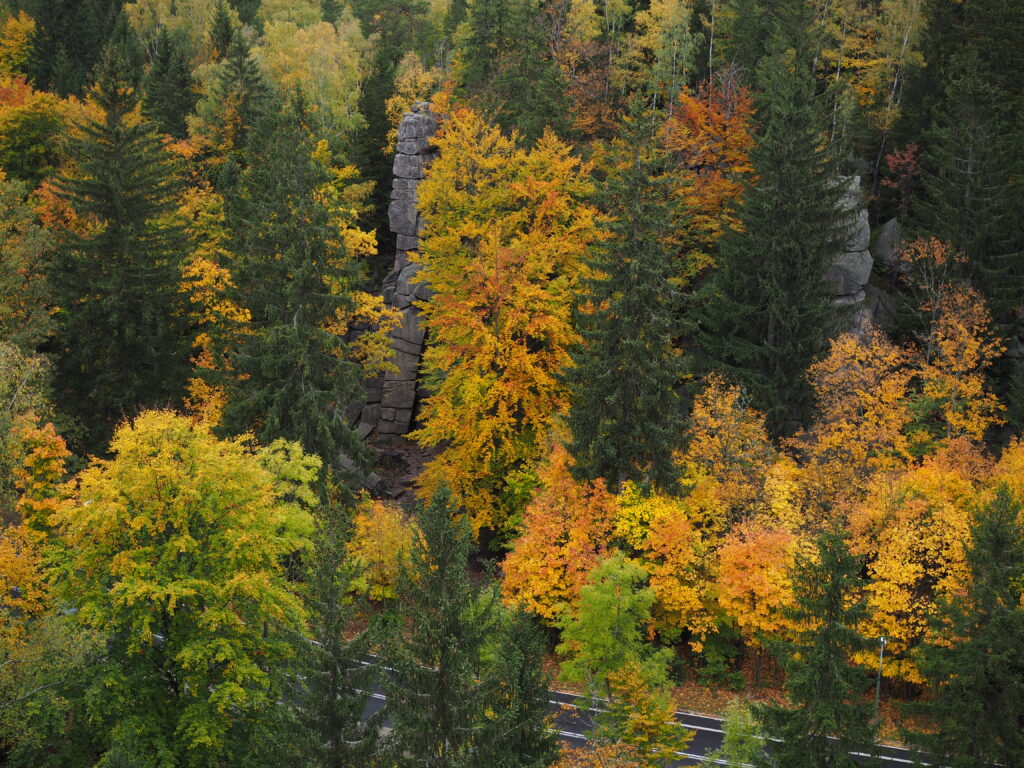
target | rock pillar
[{"x": 391, "y": 398}]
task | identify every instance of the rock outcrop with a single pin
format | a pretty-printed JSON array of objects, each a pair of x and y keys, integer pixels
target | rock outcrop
[
  {"x": 851, "y": 268},
  {"x": 391, "y": 398}
]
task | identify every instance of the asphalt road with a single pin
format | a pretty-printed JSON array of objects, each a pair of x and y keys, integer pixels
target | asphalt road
[{"x": 572, "y": 719}]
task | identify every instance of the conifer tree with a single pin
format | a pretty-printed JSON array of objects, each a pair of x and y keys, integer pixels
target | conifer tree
[
  {"x": 332, "y": 732},
  {"x": 626, "y": 415},
  {"x": 121, "y": 337},
  {"x": 291, "y": 376},
  {"x": 465, "y": 688},
  {"x": 222, "y": 31},
  {"x": 827, "y": 716},
  {"x": 69, "y": 40},
  {"x": 766, "y": 313},
  {"x": 974, "y": 666},
  {"x": 168, "y": 84}
]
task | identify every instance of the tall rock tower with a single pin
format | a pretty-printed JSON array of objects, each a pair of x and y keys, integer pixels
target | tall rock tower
[{"x": 391, "y": 398}]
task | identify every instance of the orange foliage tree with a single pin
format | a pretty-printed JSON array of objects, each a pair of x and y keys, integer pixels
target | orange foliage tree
[
  {"x": 566, "y": 532},
  {"x": 711, "y": 136},
  {"x": 506, "y": 233},
  {"x": 753, "y": 584}
]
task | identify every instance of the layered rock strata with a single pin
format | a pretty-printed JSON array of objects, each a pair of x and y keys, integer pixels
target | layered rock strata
[{"x": 391, "y": 398}]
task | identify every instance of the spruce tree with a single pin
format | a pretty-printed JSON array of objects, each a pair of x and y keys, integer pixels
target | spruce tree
[
  {"x": 626, "y": 414},
  {"x": 168, "y": 84},
  {"x": 828, "y": 715},
  {"x": 974, "y": 667},
  {"x": 336, "y": 683},
  {"x": 122, "y": 340},
  {"x": 766, "y": 312},
  {"x": 222, "y": 31},
  {"x": 291, "y": 377},
  {"x": 69, "y": 40},
  {"x": 465, "y": 690}
]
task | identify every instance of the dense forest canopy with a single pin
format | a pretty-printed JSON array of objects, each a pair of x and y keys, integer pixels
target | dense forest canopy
[{"x": 707, "y": 319}]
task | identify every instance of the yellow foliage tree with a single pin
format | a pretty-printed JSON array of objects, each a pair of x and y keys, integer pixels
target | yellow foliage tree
[
  {"x": 728, "y": 441},
  {"x": 506, "y": 232},
  {"x": 381, "y": 541},
  {"x": 913, "y": 528}
]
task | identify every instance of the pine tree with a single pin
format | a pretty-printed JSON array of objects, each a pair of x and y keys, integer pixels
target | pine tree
[
  {"x": 828, "y": 716},
  {"x": 121, "y": 336},
  {"x": 974, "y": 667},
  {"x": 465, "y": 688},
  {"x": 766, "y": 313},
  {"x": 290, "y": 377},
  {"x": 626, "y": 415},
  {"x": 336, "y": 684},
  {"x": 168, "y": 84}
]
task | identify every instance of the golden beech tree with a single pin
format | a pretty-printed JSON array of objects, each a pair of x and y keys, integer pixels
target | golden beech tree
[
  {"x": 206, "y": 280},
  {"x": 711, "y": 136},
  {"x": 959, "y": 350},
  {"x": 913, "y": 527},
  {"x": 381, "y": 541},
  {"x": 566, "y": 531},
  {"x": 863, "y": 393},
  {"x": 506, "y": 232},
  {"x": 22, "y": 584},
  {"x": 727, "y": 441}
]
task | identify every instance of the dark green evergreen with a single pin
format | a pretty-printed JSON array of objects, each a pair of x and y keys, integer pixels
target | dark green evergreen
[
  {"x": 122, "y": 341},
  {"x": 828, "y": 715},
  {"x": 467, "y": 692},
  {"x": 169, "y": 95},
  {"x": 335, "y": 682},
  {"x": 626, "y": 415},
  {"x": 508, "y": 67},
  {"x": 290, "y": 378},
  {"x": 70, "y": 37},
  {"x": 976, "y": 674},
  {"x": 222, "y": 31},
  {"x": 766, "y": 312}
]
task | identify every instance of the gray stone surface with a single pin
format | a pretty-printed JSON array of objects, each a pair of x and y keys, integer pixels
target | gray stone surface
[
  {"x": 407, "y": 242},
  {"x": 886, "y": 244},
  {"x": 850, "y": 272},
  {"x": 416, "y": 125},
  {"x": 850, "y": 300},
  {"x": 399, "y": 394},
  {"x": 408, "y": 367},
  {"x": 408, "y": 167},
  {"x": 402, "y": 217},
  {"x": 859, "y": 236},
  {"x": 411, "y": 330}
]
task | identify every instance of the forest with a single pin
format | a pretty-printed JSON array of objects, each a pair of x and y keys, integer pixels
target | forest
[{"x": 371, "y": 368}]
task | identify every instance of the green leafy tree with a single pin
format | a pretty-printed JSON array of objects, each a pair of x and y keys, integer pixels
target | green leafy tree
[
  {"x": 121, "y": 339},
  {"x": 742, "y": 740},
  {"x": 606, "y": 630},
  {"x": 175, "y": 553},
  {"x": 766, "y": 313},
  {"x": 465, "y": 687},
  {"x": 828, "y": 715},
  {"x": 626, "y": 418},
  {"x": 973, "y": 666},
  {"x": 25, "y": 250}
]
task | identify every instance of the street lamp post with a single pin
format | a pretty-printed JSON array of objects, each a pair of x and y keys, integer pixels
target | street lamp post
[{"x": 878, "y": 683}]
